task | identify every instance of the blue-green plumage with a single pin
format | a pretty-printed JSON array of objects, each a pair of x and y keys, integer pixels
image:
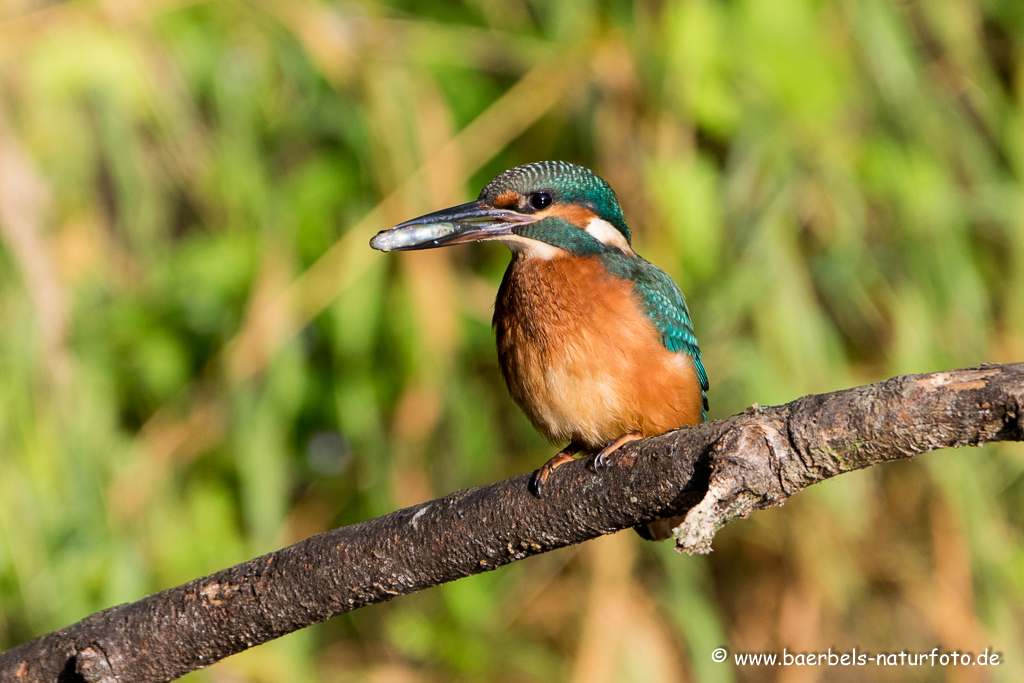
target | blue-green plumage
[
  {"x": 571, "y": 184},
  {"x": 665, "y": 305},
  {"x": 667, "y": 308},
  {"x": 560, "y": 233}
]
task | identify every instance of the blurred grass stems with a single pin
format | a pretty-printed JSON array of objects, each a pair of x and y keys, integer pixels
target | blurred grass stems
[{"x": 276, "y": 317}]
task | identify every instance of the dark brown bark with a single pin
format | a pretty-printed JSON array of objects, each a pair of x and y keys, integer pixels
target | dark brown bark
[{"x": 712, "y": 473}]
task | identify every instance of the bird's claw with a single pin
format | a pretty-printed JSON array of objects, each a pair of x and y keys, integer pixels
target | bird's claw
[
  {"x": 540, "y": 477},
  {"x": 537, "y": 483},
  {"x": 604, "y": 457}
]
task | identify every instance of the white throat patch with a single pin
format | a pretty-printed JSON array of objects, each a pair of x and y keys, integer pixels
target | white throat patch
[
  {"x": 531, "y": 248},
  {"x": 605, "y": 233}
]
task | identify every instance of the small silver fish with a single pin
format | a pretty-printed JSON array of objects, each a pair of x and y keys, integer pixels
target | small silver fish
[{"x": 412, "y": 236}]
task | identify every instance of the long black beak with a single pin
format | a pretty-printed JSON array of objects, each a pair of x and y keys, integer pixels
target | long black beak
[{"x": 469, "y": 222}]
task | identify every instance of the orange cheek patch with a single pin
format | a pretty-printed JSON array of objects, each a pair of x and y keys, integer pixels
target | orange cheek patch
[
  {"x": 577, "y": 215},
  {"x": 507, "y": 200}
]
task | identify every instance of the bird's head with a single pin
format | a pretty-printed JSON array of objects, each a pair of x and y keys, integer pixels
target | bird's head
[{"x": 542, "y": 209}]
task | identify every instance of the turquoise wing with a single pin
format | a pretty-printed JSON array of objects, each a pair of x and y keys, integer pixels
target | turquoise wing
[{"x": 667, "y": 308}]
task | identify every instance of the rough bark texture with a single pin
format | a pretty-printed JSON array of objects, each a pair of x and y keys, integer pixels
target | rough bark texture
[{"x": 713, "y": 473}]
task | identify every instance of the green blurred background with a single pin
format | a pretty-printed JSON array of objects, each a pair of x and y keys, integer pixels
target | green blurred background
[{"x": 202, "y": 360}]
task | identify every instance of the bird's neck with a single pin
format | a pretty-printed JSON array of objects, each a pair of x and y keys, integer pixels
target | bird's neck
[{"x": 565, "y": 291}]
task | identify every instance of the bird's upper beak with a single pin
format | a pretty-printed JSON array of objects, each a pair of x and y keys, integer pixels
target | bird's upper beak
[{"x": 469, "y": 222}]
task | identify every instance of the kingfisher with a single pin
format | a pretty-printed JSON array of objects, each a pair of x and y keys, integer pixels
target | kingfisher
[{"x": 595, "y": 343}]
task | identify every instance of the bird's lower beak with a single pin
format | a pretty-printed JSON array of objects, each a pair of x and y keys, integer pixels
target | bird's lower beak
[{"x": 470, "y": 222}]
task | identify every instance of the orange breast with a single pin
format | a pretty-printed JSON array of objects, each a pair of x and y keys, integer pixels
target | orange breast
[{"x": 582, "y": 358}]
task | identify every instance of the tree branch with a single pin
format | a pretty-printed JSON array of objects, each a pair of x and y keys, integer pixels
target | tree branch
[{"x": 713, "y": 473}]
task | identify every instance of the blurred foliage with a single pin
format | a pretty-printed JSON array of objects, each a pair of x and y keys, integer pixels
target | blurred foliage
[{"x": 202, "y": 360}]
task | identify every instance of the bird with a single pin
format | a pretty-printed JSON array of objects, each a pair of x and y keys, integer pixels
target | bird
[{"x": 595, "y": 343}]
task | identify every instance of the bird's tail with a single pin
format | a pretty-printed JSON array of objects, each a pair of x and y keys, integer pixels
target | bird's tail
[{"x": 659, "y": 530}]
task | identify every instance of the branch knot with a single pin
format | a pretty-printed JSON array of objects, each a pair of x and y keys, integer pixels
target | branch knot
[{"x": 745, "y": 476}]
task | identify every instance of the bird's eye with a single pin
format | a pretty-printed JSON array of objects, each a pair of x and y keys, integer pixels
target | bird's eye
[{"x": 540, "y": 200}]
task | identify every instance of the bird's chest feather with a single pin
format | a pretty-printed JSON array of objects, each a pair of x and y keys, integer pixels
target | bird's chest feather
[{"x": 582, "y": 358}]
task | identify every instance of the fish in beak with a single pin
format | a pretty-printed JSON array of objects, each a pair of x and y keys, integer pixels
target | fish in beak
[{"x": 471, "y": 222}]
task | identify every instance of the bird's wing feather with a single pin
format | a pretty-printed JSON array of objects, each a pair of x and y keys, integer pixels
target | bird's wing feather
[{"x": 667, "y": 308}]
